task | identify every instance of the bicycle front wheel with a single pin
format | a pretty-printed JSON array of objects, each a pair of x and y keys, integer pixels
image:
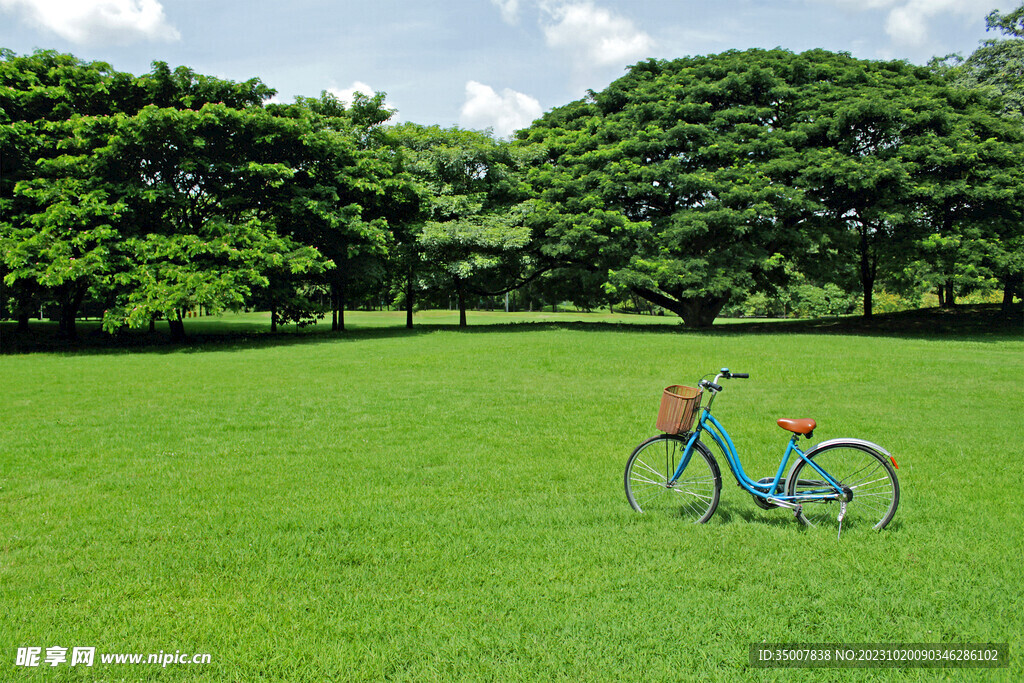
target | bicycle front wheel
[
  {"x": 693, "y": 496},
  {"x": 867, "y": 478}
]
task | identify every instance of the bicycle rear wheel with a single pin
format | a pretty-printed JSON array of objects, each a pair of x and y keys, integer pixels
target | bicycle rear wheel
[
  {"x": 872, "y": 490},
  {"x": 694, "y": 496}
]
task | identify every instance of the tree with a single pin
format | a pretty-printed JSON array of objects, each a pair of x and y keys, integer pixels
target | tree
[
  {"x": 216, "y": 267},
  {"x": 894, "y": 156},
  {"x": 343, "y": 190},
  {"x": 468, "y": 226},
  {"x": 201, "y": 188},
  {"x": 969, "y": 187},
  {"x": 694, "y": 182},
  {"x": 857, "y": 121},
  {"x": 68, "y": 244},
  {"x": 68, "y": 212},
  {"x": 996, "y": 69},
  {"x": 664, "y": 181},
  {"x": 52, "y": 249}
]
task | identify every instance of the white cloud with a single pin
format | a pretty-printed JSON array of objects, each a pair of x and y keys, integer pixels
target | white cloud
[
  {"x": 97, "y": 21},
  {"x": 907, "y": 24},
  {"x": 509, "y": 10},
  {"x": 504, "y": 113},
  {"x": 908, "y": 21},
  {"x": 347, "y": 95},
  {"x": 593, "y": 35}
]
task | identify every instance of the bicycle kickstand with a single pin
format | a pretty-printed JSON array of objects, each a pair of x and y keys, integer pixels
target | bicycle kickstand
[{"x": 842, "y": 513}]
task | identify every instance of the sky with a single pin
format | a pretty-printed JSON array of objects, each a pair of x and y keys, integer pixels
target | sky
[{"x": 478, "y": 64}]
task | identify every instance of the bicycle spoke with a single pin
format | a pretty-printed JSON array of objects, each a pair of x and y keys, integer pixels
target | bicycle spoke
[
  {"x": 650, "y": 469},
  {"x": 695, "y": 492},
  {"x": 650, "y": 482}
]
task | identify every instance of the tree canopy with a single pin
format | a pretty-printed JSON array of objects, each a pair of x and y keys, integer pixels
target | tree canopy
[
  {"x": 695, "y": 184},
  {"x": 692, "y": 181},
  {"x": 175, "y": 191},
  {"x": 468, "y": 227}
]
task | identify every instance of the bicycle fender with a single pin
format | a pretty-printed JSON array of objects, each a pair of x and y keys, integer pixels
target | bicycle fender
[{"x": 857, "y": 442}]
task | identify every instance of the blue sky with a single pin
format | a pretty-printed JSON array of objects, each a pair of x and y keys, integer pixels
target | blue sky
[{"x": 475, "y": 63}]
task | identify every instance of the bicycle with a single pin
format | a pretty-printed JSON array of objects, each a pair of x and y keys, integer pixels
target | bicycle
[{"x": 676, "y": 473}]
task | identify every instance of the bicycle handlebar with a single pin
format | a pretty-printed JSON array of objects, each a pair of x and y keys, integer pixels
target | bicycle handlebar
[{"x": 727, "y": 374}]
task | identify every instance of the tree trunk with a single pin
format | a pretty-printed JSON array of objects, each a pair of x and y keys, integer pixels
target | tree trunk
[
  {"x": 461, "y": 294},
  {"x": 273, "y": 317},
  {"x": 1011, "y": 287},
  {"x": 71, "y": 327},
  {"x": 71, "y": 301},
  {"x": 950, "y": 301},
  {"x": 177, "y": 327},
  {"x": 23, "y": 305},
  {"x": 941, "y": 292},
  {"x": 702, "y": 312},
  {"x": 696, "y": 312}
]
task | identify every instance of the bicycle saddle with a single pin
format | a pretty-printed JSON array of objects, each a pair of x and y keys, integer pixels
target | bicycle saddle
[{"x": 798, "y": 426}]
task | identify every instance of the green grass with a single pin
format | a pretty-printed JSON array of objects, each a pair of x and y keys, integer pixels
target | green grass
[{"x": 442, "y": 505}]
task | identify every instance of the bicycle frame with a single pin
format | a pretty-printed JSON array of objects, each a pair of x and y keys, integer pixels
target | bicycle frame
[{"x": 721, "y": 437}]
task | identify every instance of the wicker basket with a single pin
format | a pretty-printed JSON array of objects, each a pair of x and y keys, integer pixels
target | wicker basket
[{"x": 679, "y": 407}]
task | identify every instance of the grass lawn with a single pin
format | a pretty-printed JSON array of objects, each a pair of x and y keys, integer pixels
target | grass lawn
[{"x": 442, "y": 504}]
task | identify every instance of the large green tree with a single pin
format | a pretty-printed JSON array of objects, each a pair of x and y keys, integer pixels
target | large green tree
[
  {"x": 996, "y": 70},
  {"x": 876, "y": 152},
  {"x": 969, "y": 187},
  {"x": 469, "y": 226},
  {"x": 69, "y": 216},
  {"x": 202, "y": 189},
  {"x": 343, "y": 190},
  {"x": 696, "y": 181},
  {"x": 50, "y": 254},
  {"x": 665, "y": 181}
]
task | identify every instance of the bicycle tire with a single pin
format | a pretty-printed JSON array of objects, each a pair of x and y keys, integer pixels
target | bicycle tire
[
  {"x": 693, "y": 496},
  {"x": 866, "y": 474}
]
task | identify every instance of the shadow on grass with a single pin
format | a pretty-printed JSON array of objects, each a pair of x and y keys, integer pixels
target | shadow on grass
[
  {"x": 968, "y": 323},
  {"x": 730, "y": 512},
  {"x": 739, "y": 512}
]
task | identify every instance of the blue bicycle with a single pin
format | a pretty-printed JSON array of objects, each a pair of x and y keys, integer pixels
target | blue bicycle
[{"x": 836, "y": 481}]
